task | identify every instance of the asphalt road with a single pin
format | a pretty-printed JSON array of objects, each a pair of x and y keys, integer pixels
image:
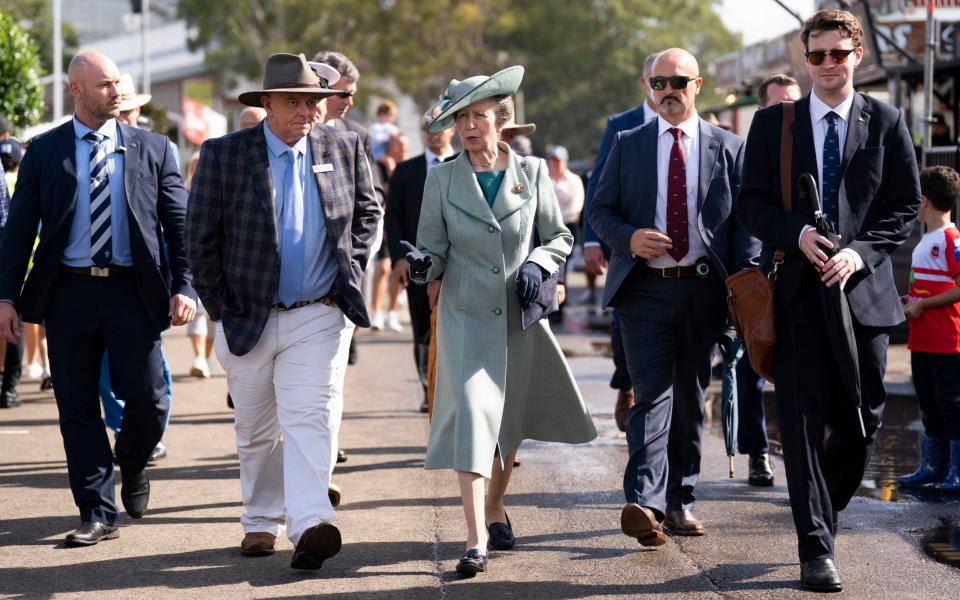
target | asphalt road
[{"x": 403, "y": 527}]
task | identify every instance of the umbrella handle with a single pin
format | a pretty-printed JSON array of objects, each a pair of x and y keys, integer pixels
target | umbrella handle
[{"x": 730, "y": 465}]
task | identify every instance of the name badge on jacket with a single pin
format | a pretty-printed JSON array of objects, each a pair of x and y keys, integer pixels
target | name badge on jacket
[{"x": 324, "y": 168}]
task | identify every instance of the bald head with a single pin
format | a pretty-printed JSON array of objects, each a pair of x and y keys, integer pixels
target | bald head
[
  {"x": 95, "y": 85},
  {"x": 250, "y": 116},
  {"x": 675, "y": 81}
]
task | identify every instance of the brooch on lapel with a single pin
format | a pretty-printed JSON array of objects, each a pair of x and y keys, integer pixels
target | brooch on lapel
[
  {"x": 524, "y": 165},
  {"x": 517, "y": 189},
  {"x": 325, "y": 154}
]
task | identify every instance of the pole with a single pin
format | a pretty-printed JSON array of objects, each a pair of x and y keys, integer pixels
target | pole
[
  {"x": 145, "y": 46},
  {"x": 929, "y": 56},
  {"x": 57, "y": 87}
]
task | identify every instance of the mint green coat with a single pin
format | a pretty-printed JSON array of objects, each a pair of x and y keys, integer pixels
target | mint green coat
[{"x": 496, "y": 384}]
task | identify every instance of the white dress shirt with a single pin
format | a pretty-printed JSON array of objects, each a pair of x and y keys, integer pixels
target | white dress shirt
[
  {"x": 691, "y": 148},
  {"x": 649, "y": 114},
  {"x": 820, "y": 124},
  {"x": 435, "y": 159},
  {"x": 569, "y": 191}
]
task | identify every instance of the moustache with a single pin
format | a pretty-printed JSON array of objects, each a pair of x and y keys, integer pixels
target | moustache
[{"x": 670, "y": 97}]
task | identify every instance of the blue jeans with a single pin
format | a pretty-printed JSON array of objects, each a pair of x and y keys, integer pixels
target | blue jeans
[{"x": 113, "y": 406}]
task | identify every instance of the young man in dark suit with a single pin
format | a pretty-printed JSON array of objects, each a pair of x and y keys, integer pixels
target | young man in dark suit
[
  {"x": 101, "y": 192},
  {"x": 400, "y": 223},
  {"x": 664, "y": 205},
  {"x": 861, "y": 154}
]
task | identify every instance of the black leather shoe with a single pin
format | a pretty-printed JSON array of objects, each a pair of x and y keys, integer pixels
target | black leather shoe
[
  {"x": 761, "y": 473},
  {"x": 820, "y": 575},
  {"x": 92, "y": 532},
  {"x": 424, "y": 407},
  {"x": 135, "y": 493},
  {"x": 160, "y": 452},
  {"x": 473, "y": 562},
  {"x": 46, "y": 383},
  {"x": 10, "y": 398},
  {"x": 341, "y": 456},
  {"x": 316, "y": 545},
  {"x": 501, "y": 535}
]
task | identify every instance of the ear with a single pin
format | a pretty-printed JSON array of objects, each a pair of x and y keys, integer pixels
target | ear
[{"x": 857, "y": 56}]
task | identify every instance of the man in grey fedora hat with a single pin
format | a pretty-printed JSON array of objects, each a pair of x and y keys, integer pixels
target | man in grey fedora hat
[{"x": 281, "y": 218}]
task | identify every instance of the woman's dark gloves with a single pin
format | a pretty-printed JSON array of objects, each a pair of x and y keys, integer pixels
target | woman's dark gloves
[
  {"x": 529, "y": 279},
  {"x": 419, "y": 261}
]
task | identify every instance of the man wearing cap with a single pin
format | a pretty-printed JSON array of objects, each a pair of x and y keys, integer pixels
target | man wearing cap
[
  {"x": 281, "y": 217},
  {"x": 401, "y": 221},
  {"x": 100, "y": 193},
  {"x": 664, "y": 204}
]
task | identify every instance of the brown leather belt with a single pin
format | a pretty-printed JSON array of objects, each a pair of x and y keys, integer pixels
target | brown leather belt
[
  {"x": 111, "y": 271},
  {"x": 326, "y": 301},
  {"x": 701, "y": 269}
]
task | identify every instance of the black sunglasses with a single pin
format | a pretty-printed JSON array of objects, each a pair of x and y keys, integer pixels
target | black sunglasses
[
  {"x": 677, "y": 82},
  {"x": 839, "y": 56},
  {"x": 344, "y": 95}
]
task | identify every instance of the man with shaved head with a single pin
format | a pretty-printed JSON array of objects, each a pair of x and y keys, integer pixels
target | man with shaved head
[
  {"x": 251, "y": 115},
  {"x": 664, "y": 204},
  {"x": 100, "y": 193}
]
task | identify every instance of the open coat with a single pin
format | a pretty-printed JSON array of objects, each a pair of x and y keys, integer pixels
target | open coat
[{"x": 496, "y": 383}]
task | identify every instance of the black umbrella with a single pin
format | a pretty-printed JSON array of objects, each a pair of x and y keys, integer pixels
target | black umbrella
[
  {"x": 836, "y": 309},
  {"x": 731, "y": 349}
]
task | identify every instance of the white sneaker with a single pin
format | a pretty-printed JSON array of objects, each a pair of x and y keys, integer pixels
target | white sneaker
[
  {"x": 34, "y": 371},
  {"x": 376, "y": 323},
  {"x": 200, "y": 368},
  {"x": 393, "y": 323}
]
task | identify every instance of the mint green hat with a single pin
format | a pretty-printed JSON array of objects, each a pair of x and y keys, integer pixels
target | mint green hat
[{"x": 461, "y": 94}]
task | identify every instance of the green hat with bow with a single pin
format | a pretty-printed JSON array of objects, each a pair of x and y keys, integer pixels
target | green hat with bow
[{"x": 461, "y": 94}]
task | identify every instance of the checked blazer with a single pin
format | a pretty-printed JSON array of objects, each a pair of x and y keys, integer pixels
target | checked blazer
[{"x": 232, "y": 243}]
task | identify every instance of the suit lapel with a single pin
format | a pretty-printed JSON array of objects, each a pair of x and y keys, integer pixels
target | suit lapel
[
  {"x": 856, "y": 130},
  {"x": 469, "y": 197},
  {"x": 709, "y": 150},
  {"x": 259, "y": 168},
  {"x": 515, "y": 190},
  {"x": 803, "y": 146},
  {"x": 320, "y": 151}
]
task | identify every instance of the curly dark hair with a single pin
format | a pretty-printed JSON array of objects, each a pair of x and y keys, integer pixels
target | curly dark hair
[{"x": 941, "y": 186}]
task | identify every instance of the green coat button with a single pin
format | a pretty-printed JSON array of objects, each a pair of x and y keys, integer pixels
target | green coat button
[
  {"x": 497, "y": 312},
  {"x": 495, "y": 269},
  {"x": 491, "y": 228}
]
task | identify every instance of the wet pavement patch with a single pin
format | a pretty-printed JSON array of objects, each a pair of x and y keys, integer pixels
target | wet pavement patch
[{"x": 942, "y": 544}]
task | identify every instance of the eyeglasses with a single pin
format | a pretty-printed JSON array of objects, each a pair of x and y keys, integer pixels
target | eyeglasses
[
  {"x": 677, "y": 82},
  {"x": 839, "y": 56},
  {"x": 344, "y": 95}
]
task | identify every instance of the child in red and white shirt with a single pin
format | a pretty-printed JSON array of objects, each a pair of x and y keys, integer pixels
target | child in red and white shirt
[{"x": 933, "y": 307}]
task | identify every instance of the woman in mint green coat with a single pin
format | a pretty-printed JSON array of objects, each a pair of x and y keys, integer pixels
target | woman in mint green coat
[{"x": 497, "y": 384}]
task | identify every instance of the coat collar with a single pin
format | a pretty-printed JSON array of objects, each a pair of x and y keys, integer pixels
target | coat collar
[
  {"x": 709, "y": 150},
  {"x": 257, "y": 162},
  {"x": 515, "y": 191},
  {"x": 321, "y": 151}
]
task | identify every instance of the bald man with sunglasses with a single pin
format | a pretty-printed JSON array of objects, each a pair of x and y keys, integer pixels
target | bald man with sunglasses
[
  {"x": 664, "y": 204},
  {"x": 861, "y": 154}
]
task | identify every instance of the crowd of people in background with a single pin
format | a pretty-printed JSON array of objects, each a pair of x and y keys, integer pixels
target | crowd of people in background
[{"x": 333, "y": 226}]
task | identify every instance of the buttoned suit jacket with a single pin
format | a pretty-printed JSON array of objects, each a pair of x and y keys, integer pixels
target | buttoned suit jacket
[
  {"x": 626, "y": 200},
  {"x": 232, "y": 242},
  {"x": 46, "y": 197},
  {"x": 880, "y": 177},
  {"x": 403, "y": 204}
]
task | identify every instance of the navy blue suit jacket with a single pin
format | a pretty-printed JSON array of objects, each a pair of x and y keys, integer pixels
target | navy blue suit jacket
[
  {"x": 626, "y": 200},
  {"x": 615, "y": 124},
  {"x": 882, "y": 198},
  {"x": 45, "y": 197}
]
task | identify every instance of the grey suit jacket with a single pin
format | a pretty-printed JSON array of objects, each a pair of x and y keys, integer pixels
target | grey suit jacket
[
  {"x": 232, "y": 242},
  {"x": 626, "y": 200}
]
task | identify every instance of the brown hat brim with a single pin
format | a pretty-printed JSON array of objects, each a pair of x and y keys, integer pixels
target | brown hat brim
[
  {"x": 253, "y": 98},
  {"x": 521, "y": 129}
]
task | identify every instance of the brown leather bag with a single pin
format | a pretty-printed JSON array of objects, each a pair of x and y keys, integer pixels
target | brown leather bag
[{"x": 750, "y": 295}]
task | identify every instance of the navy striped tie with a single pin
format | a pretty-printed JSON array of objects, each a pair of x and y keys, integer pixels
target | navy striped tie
[
  {"x": 831, "y": 170},
  {"x": 100, "y": 246}
]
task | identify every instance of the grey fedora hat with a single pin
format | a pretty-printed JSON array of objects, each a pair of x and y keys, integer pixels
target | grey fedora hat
[
  {"x": 288, "y": 73},
  {"x": 461, "y": 94}
]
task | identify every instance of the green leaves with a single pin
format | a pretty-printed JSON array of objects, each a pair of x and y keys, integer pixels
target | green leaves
[{"x": 21, "y": 93}]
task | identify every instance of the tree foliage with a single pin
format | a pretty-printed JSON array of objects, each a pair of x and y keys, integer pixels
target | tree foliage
[
  {"x": 582, "y": 59},
  {"x": 36, "y": 16},
  {"x": 21, "y": 93}
]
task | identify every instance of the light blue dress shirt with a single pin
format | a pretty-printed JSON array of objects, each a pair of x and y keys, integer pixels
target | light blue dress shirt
[
  {"x": 77, "y": 252},
  {"x": 320, "y": 264}
]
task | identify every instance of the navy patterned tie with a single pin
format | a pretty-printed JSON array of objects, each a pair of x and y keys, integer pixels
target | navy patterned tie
[
  {"x": 831, "y": 171},
  {"x": 100, "y": 245}
]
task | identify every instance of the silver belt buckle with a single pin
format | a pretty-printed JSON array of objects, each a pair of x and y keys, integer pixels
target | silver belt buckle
[
  {"x": 702, "y": 269},
  {"x": 100, "y": 271}
]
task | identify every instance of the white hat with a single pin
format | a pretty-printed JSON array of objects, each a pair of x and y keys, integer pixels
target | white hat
[{"x": 129, "y": 98}]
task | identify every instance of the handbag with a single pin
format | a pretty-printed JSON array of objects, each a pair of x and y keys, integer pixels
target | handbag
[{"x": 750, "y": 292}]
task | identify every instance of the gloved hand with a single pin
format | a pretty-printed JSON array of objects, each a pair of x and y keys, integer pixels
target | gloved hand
[
  {"x": 419, "y": 261},
  {"x": 529, "y": 279}
]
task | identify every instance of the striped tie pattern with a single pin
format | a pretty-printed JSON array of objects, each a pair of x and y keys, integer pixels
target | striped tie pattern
[{"x": 99, "y": 201}]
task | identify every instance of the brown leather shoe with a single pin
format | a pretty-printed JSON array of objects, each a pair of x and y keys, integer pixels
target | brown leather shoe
[
  {"x": 682, "y": 522},
  {"x": 258, "y": 543},
  {"x": 334, "y": 492},
  {"x": 640, "y": 522},
  {"x": 625, "y": 401}
]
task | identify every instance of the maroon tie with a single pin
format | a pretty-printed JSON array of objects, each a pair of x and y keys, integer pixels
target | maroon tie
[{"x": 677, "y": 198}]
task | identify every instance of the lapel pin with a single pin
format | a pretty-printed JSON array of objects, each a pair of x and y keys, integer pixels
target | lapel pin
[
  {"x": 325, "y": 154},
  {"x": 517, "y": 189},
  {"x": 525, "y": 167},
  {"x": 121, "y": 149}
]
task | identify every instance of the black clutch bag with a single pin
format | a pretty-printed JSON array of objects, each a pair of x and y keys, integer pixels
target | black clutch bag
[{"x": 545, "y": 304}]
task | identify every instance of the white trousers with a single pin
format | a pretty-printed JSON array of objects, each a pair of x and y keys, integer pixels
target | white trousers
[{"x": 288, "y": 398}]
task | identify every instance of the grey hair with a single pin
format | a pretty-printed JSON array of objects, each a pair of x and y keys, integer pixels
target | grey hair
[
  {"x": 340, "y": 62},
  {"x": 648, "y": 64}
]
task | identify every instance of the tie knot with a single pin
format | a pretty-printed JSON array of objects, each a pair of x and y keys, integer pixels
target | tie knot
[
  {"x": 832, "y": 117},
  {"x": 93, "y": 137},
  {"x": 676, "y": 132}
]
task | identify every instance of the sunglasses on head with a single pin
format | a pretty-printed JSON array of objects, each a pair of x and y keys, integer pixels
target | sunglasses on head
[
  {"x": 815, "y": 57},
  {"x": 344, "y": 95},
  {"x": 677, "y": 82}
]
